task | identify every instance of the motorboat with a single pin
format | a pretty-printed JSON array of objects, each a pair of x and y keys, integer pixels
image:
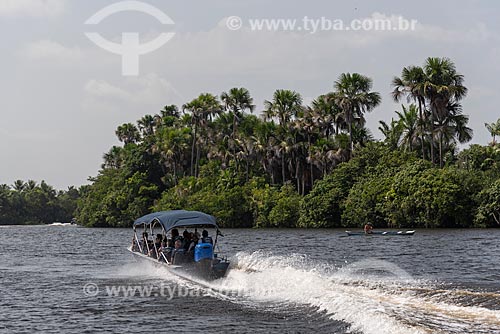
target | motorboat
[
  {"x": 190, "y": 254},
  {"x": 386, "y": 233}
]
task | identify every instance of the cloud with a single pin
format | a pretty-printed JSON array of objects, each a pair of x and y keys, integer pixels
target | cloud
[
  {"x": 475, "y": 34},
  {"x": 150, "y": 89},
  {"x": 102, "y": 88},
  {"x": 46, "y": 49},
  {"x": 33, "y": 8}
]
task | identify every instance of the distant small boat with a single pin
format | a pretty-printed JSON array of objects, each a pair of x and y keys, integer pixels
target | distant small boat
[
  {"x": 62, "y": 224},
  {"x": 350, "y": 233}
]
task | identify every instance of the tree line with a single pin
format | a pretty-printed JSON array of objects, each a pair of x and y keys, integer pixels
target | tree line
[
  {"x": 32, "y": 203},
  {"x": 296, "y": 165}
]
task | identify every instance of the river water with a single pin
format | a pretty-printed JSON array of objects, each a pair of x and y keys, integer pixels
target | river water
[{"x": 56, "y": 279}]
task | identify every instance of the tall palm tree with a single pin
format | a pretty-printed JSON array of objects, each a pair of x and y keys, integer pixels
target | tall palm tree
[
  {"x": 247, "y": 152},
  {"x": 452, "y": 129},
  {"x": 312, "y": 120},
  {"x": 411, "y": 85},
  {"x": 172, "y": 144},
  {"x": 443, "y": 87},
  {"x": 329, "y": 114},
  {"x": 202, "y": 109},
  {"x": 127, "y": 133},
  {"x": 167, "y": 117},
  {"x": 146, "y": 125},
  {"x": 353, "y": 94},
  {"x": 236, "y": 101},
  {"x": 285, "y": 105}
]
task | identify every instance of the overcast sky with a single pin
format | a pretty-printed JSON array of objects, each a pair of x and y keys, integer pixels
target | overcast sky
[{"x": 62, "y": 96}]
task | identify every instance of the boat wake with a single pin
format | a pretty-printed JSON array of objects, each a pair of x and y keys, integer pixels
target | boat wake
[{"x": 371, "y": 297}]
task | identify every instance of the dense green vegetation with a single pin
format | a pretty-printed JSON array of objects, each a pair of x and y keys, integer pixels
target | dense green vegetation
[
  {"x": 306, "y": 166},
  {"x": 32, "y": 203}
]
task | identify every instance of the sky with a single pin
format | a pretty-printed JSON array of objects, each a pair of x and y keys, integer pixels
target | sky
[{"x": 63, "y": 96}]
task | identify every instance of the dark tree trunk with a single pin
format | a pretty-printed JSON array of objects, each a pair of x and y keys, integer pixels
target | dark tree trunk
[
  {"x": 192, "y": 151},
  {"x": 283, "y": 168},
  {"x": 440, "y": 150},
  {"x": 297, "y": 174},
  {"x": 432, "y": 136},
  {"x": 310, "y": 161},
  {"x": 421, "y": 127}
]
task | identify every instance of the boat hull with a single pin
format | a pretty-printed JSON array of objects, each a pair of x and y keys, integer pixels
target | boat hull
[
  {"x": 382, "y": 233},
  {"x": 209, "y": 269}
]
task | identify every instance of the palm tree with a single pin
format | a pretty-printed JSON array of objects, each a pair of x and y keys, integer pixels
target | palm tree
[
  {"x": 264, "y": 144},
  {"x": 171, "y": 144},
  {"x": 307, "y": 124},
  {"x": 328, "y": 113},
  {"x": 392, "y": 133},
  {"x": 19, "y": 185},
  {"x": 113, "y": 159},
  {"x": 285, "y": 105},
  {"x": 236, "y": 101},
  {"x": 202, "y": 110},
  {"x": 127, "y": 133},
  {"x": 30, "y": 185},
  {"x": 361, "y": 135},
  {"x": 146, "y": 125},
  {"x": 247, "y": 152},
  {"x": 408, "y": 120},
  {"x": 443, "y": 87},
  {"x": 353, "y": 94},
  {"x": 494, "y": 130},
  {"x": 452, "y": 128},
  {"x": 167, "y": 117},
  {"x": 47, "y": 189},
  {"x": 411, "y": 84}
]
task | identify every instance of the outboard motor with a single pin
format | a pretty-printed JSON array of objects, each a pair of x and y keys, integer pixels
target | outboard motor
[{"x": 203, "y": 251}]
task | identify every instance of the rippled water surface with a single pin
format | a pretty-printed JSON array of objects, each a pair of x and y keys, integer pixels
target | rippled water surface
[{"x": 290, "y": 281}]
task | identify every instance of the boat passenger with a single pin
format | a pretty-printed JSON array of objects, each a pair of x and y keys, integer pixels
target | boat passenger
[
  {"x": 368, "y": 228},
  {"x": 178, "y": 249},
  {"x": 165, "y": 251},
  {"x": 187, "y": 239},
  {"x": 194, "y": 241},
  {"x": 156, "y": 246},
  {"x": 174, "y": 235},
  {"x": 145, "y": 242},
  {"x": 135, "y": 247},
  {"x": 205, "y": 239}
]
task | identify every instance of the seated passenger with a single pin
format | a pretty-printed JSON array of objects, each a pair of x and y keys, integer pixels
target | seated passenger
[
  {"x": 156, "y": 246},
  {"x": 135, "y": 246},
  {"x": 174, "y": 236},
  {"x": 178, "y": 249},
  {"x": 165, "y": 251},
  {"x": 145, "y": 242},
  {"x": 205, "y": 239},
  {"x": 194, "y": 241},
  {"x": 187, "y": 239}
]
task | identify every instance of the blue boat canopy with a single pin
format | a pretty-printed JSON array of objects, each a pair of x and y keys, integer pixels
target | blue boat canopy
[{"x": 178, "y": 218}]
